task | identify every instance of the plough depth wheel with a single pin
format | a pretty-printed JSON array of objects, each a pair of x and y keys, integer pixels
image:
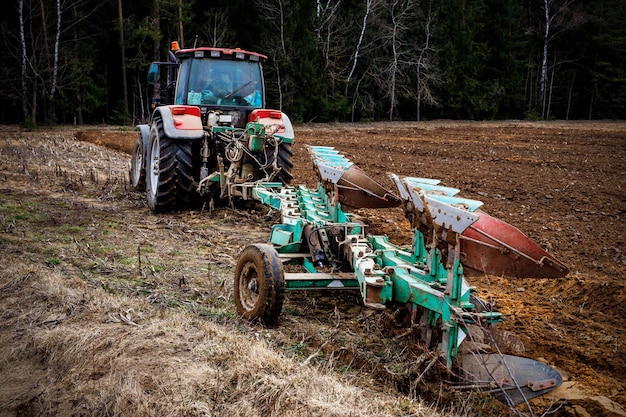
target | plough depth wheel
[{"x": 259, "y": 283}]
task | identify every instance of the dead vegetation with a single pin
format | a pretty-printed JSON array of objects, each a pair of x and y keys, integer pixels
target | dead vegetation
[
  {"x": 81, "y": 351},
  {"x": 110, "y": 310}
]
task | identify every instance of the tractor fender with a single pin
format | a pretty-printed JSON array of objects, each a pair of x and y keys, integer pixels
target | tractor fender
[
  {"x": 144, "y": 132},
  {"x": 289, "y": 133},
  {"x": 181, "y": 122},
  {"x": 269, "y": 117}
]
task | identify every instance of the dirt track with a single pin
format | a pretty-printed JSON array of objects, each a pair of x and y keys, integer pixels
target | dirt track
[{"x": 560, "y": 183}]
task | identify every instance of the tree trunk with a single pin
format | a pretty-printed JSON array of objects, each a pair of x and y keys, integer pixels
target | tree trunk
[
  {"x": 57, "y": 41},
  {"x": 24, "y": 60},
  {"x": 123, "y": 55},
  {"x": 79, "y": 109},
  {"x": 569, "y": 97},
  {"x": 33, "y": 107},
  {"x": 279, "y": 84},
  {"x": 368, "y": 9},
  {"x": 394, "y": 62},
  {"x": 142, "y": 107},
  {"x": 180, "y": 23},
  {"x": 418, "y": 114},
  {"x": 549, "y": 107},
  {"x": 544, "y": 58},
  {"x": 45, "y": 54}
]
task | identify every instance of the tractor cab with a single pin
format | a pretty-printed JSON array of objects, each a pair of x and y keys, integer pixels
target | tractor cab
[{"x": 228, "y": 81}]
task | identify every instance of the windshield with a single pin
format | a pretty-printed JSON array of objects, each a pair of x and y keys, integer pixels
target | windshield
[{"x": 223, "y": 83}]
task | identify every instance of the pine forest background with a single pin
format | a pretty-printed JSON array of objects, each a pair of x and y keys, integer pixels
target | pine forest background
[{"x": 85, "y": 61}]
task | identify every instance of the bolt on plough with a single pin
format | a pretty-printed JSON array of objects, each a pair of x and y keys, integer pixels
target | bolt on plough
[{"x": 335, "y": 251}]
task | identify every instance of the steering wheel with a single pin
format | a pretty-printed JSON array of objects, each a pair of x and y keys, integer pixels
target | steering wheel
[{"x": 219, "y": 88}]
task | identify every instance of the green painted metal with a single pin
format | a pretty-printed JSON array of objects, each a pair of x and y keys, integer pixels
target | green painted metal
[
  {"x": 417, "y": 276},
  {"x": 384, "y": 273},
  {"x": 325, "y": 282},
  {"x": 317, "y": 284}
]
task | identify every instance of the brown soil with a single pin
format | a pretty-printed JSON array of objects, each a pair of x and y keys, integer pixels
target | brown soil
[{"x": 562, "y": 184}]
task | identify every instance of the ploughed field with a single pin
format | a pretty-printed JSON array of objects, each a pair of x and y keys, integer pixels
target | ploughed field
[
  {"x": 92, "y": 277},
  {"x": 563, "y": 185}
]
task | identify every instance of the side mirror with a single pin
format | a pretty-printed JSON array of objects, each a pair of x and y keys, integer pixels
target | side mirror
[{"x": 153, "y": 73}]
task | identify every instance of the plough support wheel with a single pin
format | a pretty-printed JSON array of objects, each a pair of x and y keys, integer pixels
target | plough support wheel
[{"x": 259, "y": 283}]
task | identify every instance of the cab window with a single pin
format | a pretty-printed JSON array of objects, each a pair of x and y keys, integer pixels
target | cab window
[{"x": 224, "y": 83}]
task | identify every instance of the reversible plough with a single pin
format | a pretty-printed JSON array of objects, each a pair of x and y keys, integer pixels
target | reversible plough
[{"x": 335, "y": 251}]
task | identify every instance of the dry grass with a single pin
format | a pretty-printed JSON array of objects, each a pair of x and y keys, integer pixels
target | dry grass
[
  {"x": 109, "y": 311},
  {"x": 81, "y": 358}
]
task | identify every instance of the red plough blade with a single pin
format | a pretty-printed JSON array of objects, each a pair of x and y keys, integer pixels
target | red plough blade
[
  {"x": 497, "y": 248},
  {"x": 357, "y": 190}
]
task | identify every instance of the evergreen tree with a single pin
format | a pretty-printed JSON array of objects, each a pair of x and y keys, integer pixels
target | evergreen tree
[
  {"x": 328, "y": 60},
  {"x": 508, "y": 47},
  {"x": 463, "y": 57},
  {"x": 603, "y": 71}
]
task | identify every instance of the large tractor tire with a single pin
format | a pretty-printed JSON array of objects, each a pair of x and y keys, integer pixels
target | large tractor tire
[
  {"x": 259, "y": 284},
  {"x": 138, "y": 166},
  {"x": 284, "y": 161},
  {"x": 169, "y": 171}
]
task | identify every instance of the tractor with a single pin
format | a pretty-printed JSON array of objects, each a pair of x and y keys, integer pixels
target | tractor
[{"x": 209, "y": 130}]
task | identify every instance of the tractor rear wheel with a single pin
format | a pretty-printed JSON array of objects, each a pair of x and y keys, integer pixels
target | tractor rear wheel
[
  {"x": 259, "y": 283},
  {"x": 169, "y": 170},
  {"x": 137, "y": 166},
  {"x": 284, "y": 161}
]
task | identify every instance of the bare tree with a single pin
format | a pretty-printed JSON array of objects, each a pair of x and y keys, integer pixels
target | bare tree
[
  {"x": 391, "y": 72},
  {"x": 23, "y": 60},
  {"x": 274, "y": 12},
  {"x": 370, "y": 6},
  {"x": 558, "y": 19},
  {"x": 427, "y": 73},
  {"x": 123, "y": 55},
  {"x": 329, "y": 29},
  {"x": 57, "y": 41},
  {"x": 358, "y": 49},
  {"x": 216, "y": 32}
]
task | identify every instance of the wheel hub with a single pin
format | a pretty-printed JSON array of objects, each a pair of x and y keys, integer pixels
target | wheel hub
[{"x": 253, "y": 285}]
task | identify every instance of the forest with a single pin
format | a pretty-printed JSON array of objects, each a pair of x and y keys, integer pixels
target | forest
[{"x": 85, "y": 61}]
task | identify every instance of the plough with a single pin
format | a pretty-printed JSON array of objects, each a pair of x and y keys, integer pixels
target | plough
[{"x": 333, "y": 250}]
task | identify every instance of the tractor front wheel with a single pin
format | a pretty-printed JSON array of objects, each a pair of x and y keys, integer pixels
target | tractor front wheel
[
  {"x": 259, "y": 283},
  {"x": 169, "y": 170}
]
